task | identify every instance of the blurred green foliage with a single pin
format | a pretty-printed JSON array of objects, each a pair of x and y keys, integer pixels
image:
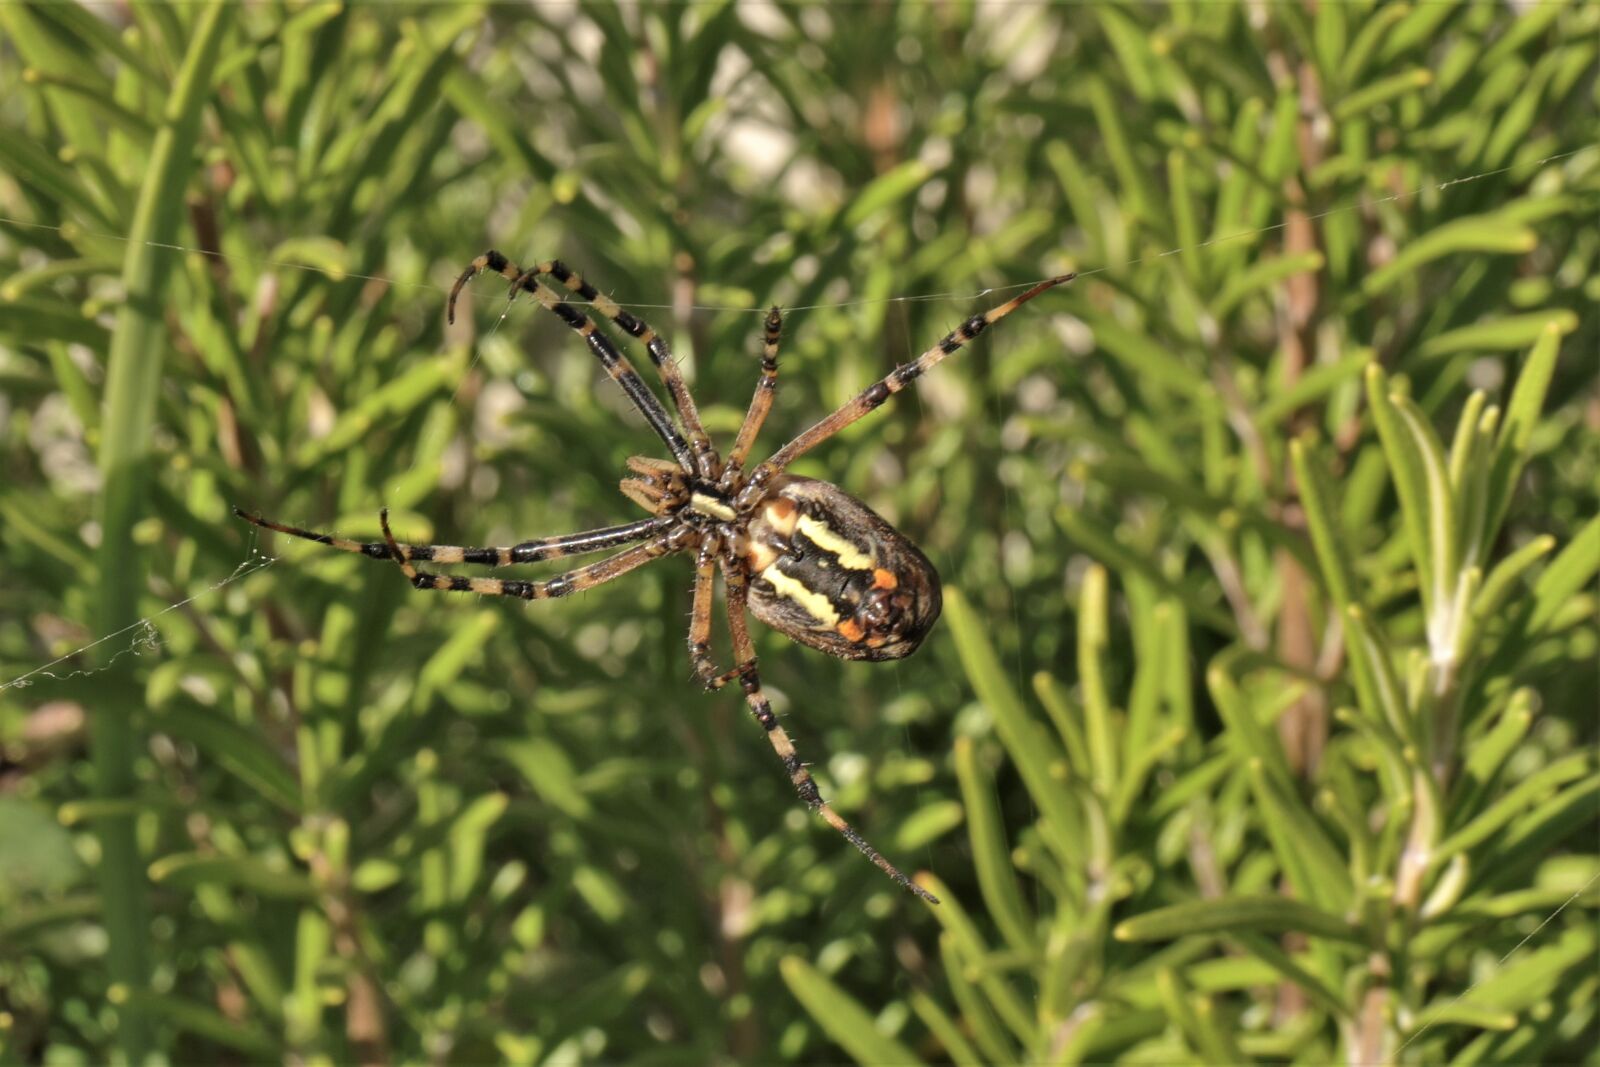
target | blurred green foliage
[{"x": 1261, "y": 725}]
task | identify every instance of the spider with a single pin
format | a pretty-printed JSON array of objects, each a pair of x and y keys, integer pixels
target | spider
[{"x": 802, "y": 555}]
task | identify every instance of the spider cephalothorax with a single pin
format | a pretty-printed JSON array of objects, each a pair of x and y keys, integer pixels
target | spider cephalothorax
[{"x": 803, "y": 556}]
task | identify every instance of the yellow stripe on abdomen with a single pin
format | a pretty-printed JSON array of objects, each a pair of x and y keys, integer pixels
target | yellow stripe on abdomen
[
  {"x": 814, "y": 603},
  {"x": 819, "y": 534}
]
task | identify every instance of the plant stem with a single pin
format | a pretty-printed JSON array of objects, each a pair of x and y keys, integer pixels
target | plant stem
[{"x": 133, "y": 378}]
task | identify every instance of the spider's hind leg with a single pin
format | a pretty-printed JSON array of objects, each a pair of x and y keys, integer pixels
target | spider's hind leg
[{"x": 806, "y": 786}]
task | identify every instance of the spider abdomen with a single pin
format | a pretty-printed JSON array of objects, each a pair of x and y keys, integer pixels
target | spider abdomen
[{"x": 829, "y": 572}]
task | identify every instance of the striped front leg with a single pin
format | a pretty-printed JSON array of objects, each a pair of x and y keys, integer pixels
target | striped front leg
[
  {"x": 750, "y": 681},
  {"x": 561, "y": 585},
  {"x": 660, "y": 355},
  {"x": 873, "y": 397},
  {"x": 620, "y": 370}
]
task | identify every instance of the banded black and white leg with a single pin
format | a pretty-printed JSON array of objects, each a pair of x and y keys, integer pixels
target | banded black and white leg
[
  {"x": 664, "y": 544},
  {"x": 661, "y": 357},
  {"x": 876, "y": 394},
  {"x": 749, "y": 677},
  {"x": 534, "y": 551},
  {"x": 705, "y": 576},
  {"x": 760, "y": 401},
  {"x": 699, "y": 456}
]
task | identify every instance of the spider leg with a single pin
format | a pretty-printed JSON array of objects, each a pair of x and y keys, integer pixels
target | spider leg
[
  {"x": 761, "y": 402},
  {"x": 875, "y": 395},
  {"x": 750, "y": 681},
  {"x": 705, "y": 574},
  {"x": 660, "y": 355},
  {"x": 526, "y": 552},
  {"x": 620, "y": 370},
  {"x": 561, "y": 585}
]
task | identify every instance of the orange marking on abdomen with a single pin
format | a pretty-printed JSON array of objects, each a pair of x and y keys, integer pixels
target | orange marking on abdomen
[
  {"x": 882, "y": 579},
  {"x": 850, "y": 630}
]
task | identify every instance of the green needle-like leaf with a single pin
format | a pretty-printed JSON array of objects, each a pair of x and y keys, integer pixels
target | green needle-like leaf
[
  {"x": 991, "y": 854},
  {"x": 1266, "y": 915}
]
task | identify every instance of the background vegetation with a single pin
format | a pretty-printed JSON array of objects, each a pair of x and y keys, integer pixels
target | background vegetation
[{"x": 1261, "y": 725}]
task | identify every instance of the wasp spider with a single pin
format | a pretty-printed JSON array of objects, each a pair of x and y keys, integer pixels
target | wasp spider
[{"x": 806, "y": 558}]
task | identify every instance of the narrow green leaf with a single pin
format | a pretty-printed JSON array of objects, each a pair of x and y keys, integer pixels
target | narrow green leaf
[
  {"x": 1269, "y": 952},
  {"x": 968, "y": 945},
  {"x": 96, "y": 103},
  {"x": 1447, "y": 889},
  {"x": 549, "y": 770},
  {"x": 1185, "y": 217},
  {"x": 1516, "y": 430},
  {"x": 93, "y": 33},
  {"x": 1504, "y": 334},
  {"x": 1533, "y": 973},
  {"x": 1187, "y": 1011},
  {"x": 464, "y": 647},
  {"x": 303, "y": 1011},
  {"x": 1459, "y": 1013},
  {"x": 1093, "y": 638},
  {"x": 1160, "y": 368},
  {"x": 1374, "y": 30},
  {"x": 1245, "y": 730},
  {"x": 27, "y": 163},
  {"x": 1142, "y": 763},
  {"x": 1545, "y": 827},
  {"x": 1377, "y": 684},
  {"x": 1481, "y": 233},
  {"x": 927, "y": 824},
  {"x": 1078, "y": 189},
  {"x": 1438, "y": 512},
  {"x": 187, "y": 870},
  {"x": 1487, "y": 756},
  {"x": 1382, "y": 91},
  {"x": 979, "y": 1017},
  {"x": 1418, "y": 28},
  {"x": 1037, "y": 758},
  {"x": 1572, "y": 569},
  {"x": 238, "y": 750},
  {"x": 991, "y": 853},
  {"x": 19, "y": 921},
  {"x": 1313, "y": 385},
  {"x": 1302, "y": 845},
  {"x": 1541, "y": 901},
  {"x": 1502, "y": 581},
  {"x": 841, "y": 1017},
  {"x": 466, "y": 841},
  {"x": 187, "y": 1016},
  {"x": 1322, "y": 511},
  {"x": 133, "y": 384},
  {"x": 1104, "y": 546},
  {"x": 1131, "y": 174},
  {"x": 1054, "y": 698},
  {"x": 1408, "y": 468},
  {"x": 885, "y": 190},
  {"x": 1265, "y": 915},
  {"x": 945, "y": 1030},
  {"x": 1280, "y": 156},
  {"x": 400, "y": 396}
]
